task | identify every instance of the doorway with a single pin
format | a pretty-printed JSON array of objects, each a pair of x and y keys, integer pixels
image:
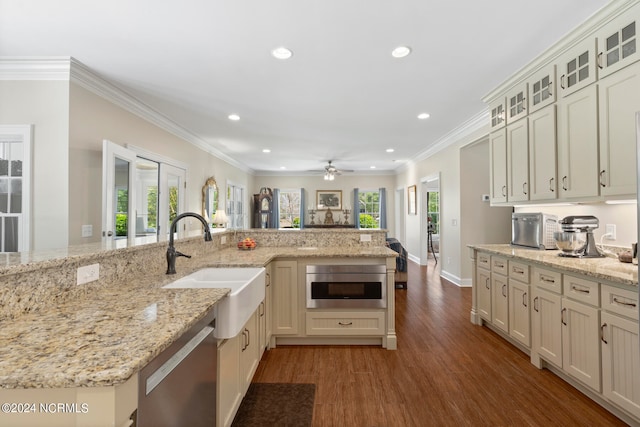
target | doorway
[{"x": 430, "y": 218}]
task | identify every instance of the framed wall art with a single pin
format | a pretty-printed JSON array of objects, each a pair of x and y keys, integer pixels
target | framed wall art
[
  {"x": 329, "y": 199},
  {"x": 411, "y": 198}
]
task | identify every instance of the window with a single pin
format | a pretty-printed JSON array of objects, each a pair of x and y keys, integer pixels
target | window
[
  {"x": 369, "y": 208},
  {"x": 433, "y": 211},
  {"x": 289, "y": 208},
  {"x": 235, "y": 205}
]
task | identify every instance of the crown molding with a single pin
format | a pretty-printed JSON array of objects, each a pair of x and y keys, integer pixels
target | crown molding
[
  {"x": 70, "y": 69},
  {"x": 588, "y": 28},
  {"x": 474, "y": 124}
]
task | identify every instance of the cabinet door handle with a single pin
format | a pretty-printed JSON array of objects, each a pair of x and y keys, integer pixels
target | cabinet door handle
[
  {"x": 244, "y": 340},
  {"x": 564, "y": 310},
  {"x": 504, "y": 191},
  {"x": 628, "y": 304},
  {"x": 504, "y": 291},
  {"x": 524, "y": 187},
  {"x": 524, "y": 299},
  {"x": 562, "y": 82},
  {"x": 551, "y": 185},
  {"x": 549, "y": 88},
  {"x": 564, "y": 183},
  {"x": 599, "y": 61},
  {"x": 535, "y": 304},
  {"x": 345, "y": 323},
  {"x": 267, "y": 280},
  {"x": 575, "y": 288},
  {"x": 248, "y": 337},
  {"x": 486, "y": 283},
  {"x": 604, "y": 325},
  {"x": 602, "y": 183}
]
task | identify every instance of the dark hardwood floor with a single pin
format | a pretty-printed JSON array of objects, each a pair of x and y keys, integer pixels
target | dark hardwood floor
[{"x": 446, "y": 372}]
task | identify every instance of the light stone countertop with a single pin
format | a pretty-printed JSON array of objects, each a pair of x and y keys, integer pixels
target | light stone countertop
[
  {"x": 105, "y": 338},
  {"x": 609, "y": 269}
]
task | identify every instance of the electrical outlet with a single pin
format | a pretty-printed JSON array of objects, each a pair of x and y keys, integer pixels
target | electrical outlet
[
  {"x": 88, "y": 273},
  {"x": 223, "y": 240},
  {"x": 611, "y": 230},
  {"x": 365, "y": 237},
  {"x": 87, "y": 230}
]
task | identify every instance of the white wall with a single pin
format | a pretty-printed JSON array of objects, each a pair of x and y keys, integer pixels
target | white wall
[{"x": 45, "y": 105}]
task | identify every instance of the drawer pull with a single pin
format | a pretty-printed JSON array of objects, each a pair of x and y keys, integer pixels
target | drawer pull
[
  {"x": 604, "y": 325},
  {"x": 498, "y": 264},
  {"x": 547, "y": 280},
  {"x": 517, "y": 270},
  {"x": 628, "y": 304},
  {"x": 535, "y": 304},
  {"x": 345, "y": 323},
  {"x": 584, "y": 291}
]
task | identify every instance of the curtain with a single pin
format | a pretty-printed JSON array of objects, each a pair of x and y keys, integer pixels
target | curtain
[
  {"x": 356, "y": 208},
  {"x": 275, "y": 211},
  {"x": 383, "y": 208},
  {"x": 303, "y": 203}
]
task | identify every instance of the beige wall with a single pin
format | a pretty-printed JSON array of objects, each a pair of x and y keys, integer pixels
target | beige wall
[
  {"x": 45, "y": 105},
  {"x": 345, "y": 183}
]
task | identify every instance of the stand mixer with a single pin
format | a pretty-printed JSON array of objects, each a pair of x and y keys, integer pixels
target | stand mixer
[{"x": 576, "y": 238}]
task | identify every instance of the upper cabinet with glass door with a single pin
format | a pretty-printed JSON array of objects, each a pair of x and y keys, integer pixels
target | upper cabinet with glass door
[
  {"x": 498, "y": 113},
  {"x": 517, "y": 103},
  {"x": 577, "y": 67},
  {"x": 617, "y": 42},
  {"x": 542, "y": 88}
]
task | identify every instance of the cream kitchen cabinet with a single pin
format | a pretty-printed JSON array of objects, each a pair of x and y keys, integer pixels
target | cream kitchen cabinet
[
  {"x": 345, "y": 323},
  {"x": 543, "y": 172},
  {"x": 498, "y": 113},
  {"x": 617, "y": 111},
  {"x": 265, "y": 327},
  {"x": 578, "y": 145},
  {"x": 249, "y": 351},
  {"x": 577, "y": 67},
  {"x": 542, "y": 88},
  {"x": 517, "y": 102},
  {"x": 285, "y": 310},
  {"x": 483, "y": 286},
  {"x": 518, "y": 161},
  {"x": 620, "y": 348},
  {"x": 545, "y": 325},
  {"x": 498, "y": 168},
  {"x": 519, "y": 302},
  {"x": 499, "y": 294},
  {"x": 618, "y": 42}
]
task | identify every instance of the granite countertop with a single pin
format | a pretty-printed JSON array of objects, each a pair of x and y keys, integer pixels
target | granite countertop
[
  {"x": 606, "y": 268},
  {"x": 107, "y": 337}
]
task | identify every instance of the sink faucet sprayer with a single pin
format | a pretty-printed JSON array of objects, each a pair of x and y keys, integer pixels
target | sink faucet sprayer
[{"x": 172, "y": 254}]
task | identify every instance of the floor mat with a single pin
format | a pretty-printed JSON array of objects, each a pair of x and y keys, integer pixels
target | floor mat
[{"x": 278, "y": 404}]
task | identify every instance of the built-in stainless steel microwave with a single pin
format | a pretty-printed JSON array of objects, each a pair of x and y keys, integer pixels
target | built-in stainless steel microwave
[{"x": 533, "y": 230}]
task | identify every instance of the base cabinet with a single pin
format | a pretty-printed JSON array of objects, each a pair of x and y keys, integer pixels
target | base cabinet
[
  {"x": 284, "y": 282},
  {"x": 519, "y": 320},
  {"x": 547, "y": 335},
  {"x": 500, "y": 301},
  {"x": 483, "y": 280}
]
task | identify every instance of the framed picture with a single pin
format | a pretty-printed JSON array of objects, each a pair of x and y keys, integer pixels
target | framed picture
[
  {"x": 411, "y": 198},
  {"x": 326, "y": 199}
]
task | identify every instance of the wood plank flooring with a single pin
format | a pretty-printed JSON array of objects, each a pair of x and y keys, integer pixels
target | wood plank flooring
[{"x": 446, "y": 372}]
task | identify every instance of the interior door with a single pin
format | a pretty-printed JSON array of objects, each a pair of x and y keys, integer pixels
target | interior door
[{"x": 118, "y": 193}]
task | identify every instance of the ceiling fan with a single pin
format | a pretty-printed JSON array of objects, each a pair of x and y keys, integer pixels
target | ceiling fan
[{"x": 330, "y": 171}]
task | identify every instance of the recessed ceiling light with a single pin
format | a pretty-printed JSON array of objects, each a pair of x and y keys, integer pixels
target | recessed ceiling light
[
  {"x": 423, "y": 116},
  {"x": 234, "y": 117},
  {"x": 283, "y": 167},
  {"x": 266, "y": 150},
  {"x": 390, "y": 150},
  {"x": 401, "y": 51},
  {"x": 282, "y": 53},
  {"x": 372, "y": 167}
]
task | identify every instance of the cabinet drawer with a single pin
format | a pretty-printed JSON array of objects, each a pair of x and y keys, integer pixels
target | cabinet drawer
[
  {"x": 620, "y": 301},
  {"x": 547, "y": 279},
  {"x": 499, "y": 265},
  {"x": 484, "y": 261},
  {"x": 345, "y": 323},
  {"x": 583, "y": 290},
  {"x": 519, "y": 271}
]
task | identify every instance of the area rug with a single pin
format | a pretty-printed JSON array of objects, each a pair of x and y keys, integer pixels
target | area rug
[{"x": 279, "y": 404}]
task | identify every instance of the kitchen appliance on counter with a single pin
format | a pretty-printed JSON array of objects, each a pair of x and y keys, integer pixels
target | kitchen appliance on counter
[
  {"x": 533, "y": 230},
  {"x": 576, "y": 238}
]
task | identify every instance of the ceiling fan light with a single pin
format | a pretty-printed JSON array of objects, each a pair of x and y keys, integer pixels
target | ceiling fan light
[
  {"x": 282, "y": 53},
  {"x": 401, "y": 51}
]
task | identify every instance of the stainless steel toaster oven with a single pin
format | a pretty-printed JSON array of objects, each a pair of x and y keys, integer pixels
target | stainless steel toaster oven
[{"x": 533, "y": 230}]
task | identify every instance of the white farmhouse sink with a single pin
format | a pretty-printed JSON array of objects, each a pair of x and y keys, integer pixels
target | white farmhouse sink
[{"x": 247, "y": 292}]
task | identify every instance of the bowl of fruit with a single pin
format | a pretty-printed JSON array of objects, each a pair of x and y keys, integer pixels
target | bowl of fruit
[{"x": 247, "y": 244}]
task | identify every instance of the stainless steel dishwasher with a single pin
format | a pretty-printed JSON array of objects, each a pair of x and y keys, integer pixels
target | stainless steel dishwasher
[{"x": 178, "y": 387}]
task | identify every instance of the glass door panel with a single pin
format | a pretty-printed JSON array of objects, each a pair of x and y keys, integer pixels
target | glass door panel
[
  {"x": 172, "y": 183},
  {"x": 118, "y": 198},
  {"x": 147, "y": 185}
]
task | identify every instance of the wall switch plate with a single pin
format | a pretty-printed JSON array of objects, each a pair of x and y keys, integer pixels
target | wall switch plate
[
  {"x": 87, "y": 230},
  {"x": 88, "y": 273},
  {"x": 611, "y": 230},
  {"x": 365, "y": 237}
]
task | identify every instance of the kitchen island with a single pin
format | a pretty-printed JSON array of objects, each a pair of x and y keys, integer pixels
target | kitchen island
[{"x": 86, "y": 347}]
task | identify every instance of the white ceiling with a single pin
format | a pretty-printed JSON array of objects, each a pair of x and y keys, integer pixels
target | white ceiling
[{"x": 341, "y": 97}]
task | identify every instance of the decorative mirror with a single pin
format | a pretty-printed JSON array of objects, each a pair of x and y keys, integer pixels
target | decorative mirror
[{"x": 209, "y": 198}]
